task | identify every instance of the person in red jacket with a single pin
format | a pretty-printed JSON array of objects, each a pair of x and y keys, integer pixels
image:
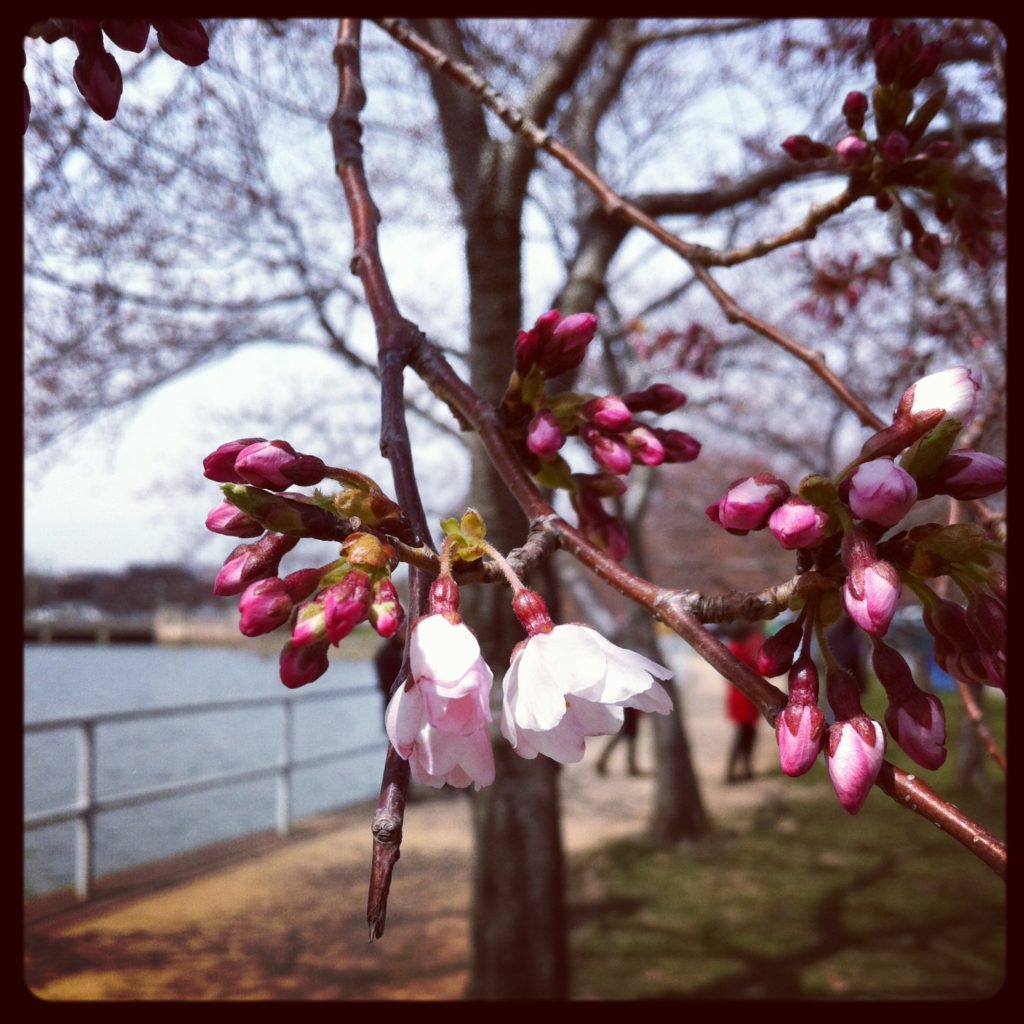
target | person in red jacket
[{"x": 744, "y": 640}]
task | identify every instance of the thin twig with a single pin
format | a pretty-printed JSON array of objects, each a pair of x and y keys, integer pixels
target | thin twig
[
  {"x": 977, "y": 717},
  {"x": 396, "y": 338}
]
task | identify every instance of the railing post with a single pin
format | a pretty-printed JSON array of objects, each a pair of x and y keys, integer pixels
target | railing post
[
  {"x": 284, "y": 778},
  {"x": 85, "y": 839}
]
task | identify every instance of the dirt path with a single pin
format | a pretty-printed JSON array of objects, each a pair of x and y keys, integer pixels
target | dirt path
[{"x": 290, "y": 923}]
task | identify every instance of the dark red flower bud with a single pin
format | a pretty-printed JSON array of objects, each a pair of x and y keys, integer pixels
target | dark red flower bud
[
  {"x": 887, "y": 59},
  {"x": 855, "y": 106},
  {"x": 804, "y": 148},
  {"x": 128, "y": 33},
  {"x": 184, "y": 39},
  {"x": 99, "y": 80}
]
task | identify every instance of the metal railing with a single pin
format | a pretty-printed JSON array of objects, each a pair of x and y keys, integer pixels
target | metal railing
[{"x": 89, "y": 805}]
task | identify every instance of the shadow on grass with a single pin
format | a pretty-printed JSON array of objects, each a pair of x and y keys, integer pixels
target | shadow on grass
[{"x": 820, "y": 906}]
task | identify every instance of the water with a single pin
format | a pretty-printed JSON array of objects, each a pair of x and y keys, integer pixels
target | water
[{"x": 67, "y": 680}]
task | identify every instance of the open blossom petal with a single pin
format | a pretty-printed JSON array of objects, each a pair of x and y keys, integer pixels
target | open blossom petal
[
  {"x": 447, "y": 654},
  {"x": 570, "y": 683}
]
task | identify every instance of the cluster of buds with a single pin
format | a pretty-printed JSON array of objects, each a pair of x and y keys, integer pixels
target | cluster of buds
[
  {"x": 321, "y": 605},
  {"x": 898, "y": 157},
  {"x": 538, "y": 424},
  {"x": 96, "y": 71},
  {"x": 564, "y": 683},
  {"x": 855, "y": 559}
]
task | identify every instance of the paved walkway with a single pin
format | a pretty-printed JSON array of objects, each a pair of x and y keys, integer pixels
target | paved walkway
[{"x": 280, "y": 920}]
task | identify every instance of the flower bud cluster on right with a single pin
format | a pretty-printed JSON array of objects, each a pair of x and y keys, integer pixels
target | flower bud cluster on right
[
  {"x": 856, "y": 560},
  {"x": 538, "y": 423},
  {"x": 901, "y": 159}
]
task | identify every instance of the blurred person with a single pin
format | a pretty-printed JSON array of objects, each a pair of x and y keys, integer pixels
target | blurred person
[
  {"x": 744, "y": 640},
  {"x": 628, "y": 732}
]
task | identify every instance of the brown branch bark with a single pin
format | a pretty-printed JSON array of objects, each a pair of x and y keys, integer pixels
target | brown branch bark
[
  {"x": 977, "y": 717},
  {"x": 396, "y": 339}
]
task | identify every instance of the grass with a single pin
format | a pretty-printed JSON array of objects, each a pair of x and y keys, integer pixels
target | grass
[{"x": 798, "y": 900}]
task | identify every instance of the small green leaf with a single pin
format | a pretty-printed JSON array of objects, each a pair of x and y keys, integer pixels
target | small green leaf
[{"x": 923, "y": 457}]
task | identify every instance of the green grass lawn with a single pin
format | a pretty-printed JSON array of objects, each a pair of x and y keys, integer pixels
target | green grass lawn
[{"x": 799, "y": 900}]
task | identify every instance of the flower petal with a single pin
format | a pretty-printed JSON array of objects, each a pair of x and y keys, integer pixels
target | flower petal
[
  {"x": 540, "y": 699},
  {"x": 442, "y": 651},
  {"x": 404, "y": 718}
]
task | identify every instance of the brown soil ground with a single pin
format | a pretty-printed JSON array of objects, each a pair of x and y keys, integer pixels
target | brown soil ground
[{"x": 268, "y": 919}]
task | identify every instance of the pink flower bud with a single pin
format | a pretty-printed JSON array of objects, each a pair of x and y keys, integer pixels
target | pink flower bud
[
  {"x": 797, "y": 523},
  {"x": 658, "y": 398},
  {"x": 777, "y": 652},
  {"x": 529, "y": 344},
  {"x": 799, "y": 731},
  {"x": 646, "y": 448},
  {"x": 232, "y": 522},
  {"x": 870, "y": 596},
  {"x": 853, "y": 151},
  {"x": 184, "y": 39},
  {"x": 99, "y": 80},
  {"x": 386, "y": 613},
  {"x": 301, "y": 665},
  {"x": 855, "y": 106},
  {"x": 609, "y": 413},
  {"x": 302, "y": 583},
  {"x": 544, "y": 436},
  {"x": 251, "y": 562},
  {"x": 748, "y": 503},
  {"x": 955, "y": 390},
  {"x": 128, "y": 33},
  {"x": 893, "y": 148},
  {"x": 855, "y": 749},
  {"x": 882, "y": 492},
  {"x": 263, "y": 606},
  {"x": 346, "y": 604},
  {"x": 804, "y": 148},
  {"x": 918, "y": 725},
  {"x": 966, "y": 475},
  {"x": 276, "y": 465},
  {"x": 679, "y": 446},
  {"x": 220, "y": 465},
  {"x": 567, "y": 345},
  {"x": 608, "y": 451}
]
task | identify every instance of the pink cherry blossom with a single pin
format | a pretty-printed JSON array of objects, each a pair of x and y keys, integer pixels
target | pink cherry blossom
[
  {"x": 796, "y": 523},
  {"x": 870, "y": 596},
  {"x": 955, "y": 390},
  {"x": 570, "y": 683},
  {"x": 439, "y": 721}
]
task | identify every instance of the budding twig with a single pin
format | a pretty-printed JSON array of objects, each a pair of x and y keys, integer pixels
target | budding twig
[{"x": 614, "y": 205}]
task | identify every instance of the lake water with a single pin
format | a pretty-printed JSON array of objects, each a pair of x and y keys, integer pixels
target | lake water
[{"x": 64, "y": 680}]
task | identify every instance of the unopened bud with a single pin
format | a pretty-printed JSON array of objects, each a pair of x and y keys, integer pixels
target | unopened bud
[
  {"x": 853, "y": 151},
  {"x": 99, "y": 80},
  {"x": 544, "y": 436},
  {"x": 748, "y": 503},
  {"x": 804, "y": 148},
  {"x": 276, "y": 465},
  {"x": 777, "y": 652},
  {"x": 855, "y": 749},
  {"x": 966, "y": 476},
  {"x": 302, "y": 665},
  {"x": 230, "y": 521},
  {"x": 220, "y": 464},
  {"x": 658, "y": 398},
  {"x": 646, "y": 448},
  {"x": 608, "y": 451},
  {"x": 608, "y": 412},
  {"x": 796, "y": 523},
  {"x": 184, "y": 39},
  {"x": 855, "y": 106},
  {"x": 264, "y": 606},
  {"x": 346, "y": 604},
  {"x": 679, "y": 446},
  {"x": 882, "y": 492},
  {"x": 927, "y": 247},
  {"x": 799, "y": 731},
  {"x": 251, "y": 562},
  {"x": 386, "y": 613},
  {"x": 893, "y": 148},
  {"x": 954, "y": 390}
]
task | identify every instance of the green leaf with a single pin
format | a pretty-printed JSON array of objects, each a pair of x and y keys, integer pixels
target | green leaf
[{"x": 923, "y": 457}]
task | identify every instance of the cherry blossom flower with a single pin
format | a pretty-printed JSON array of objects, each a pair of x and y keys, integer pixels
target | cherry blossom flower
[
  {"x": 439, "y": 721},
  {"x": 568, "y": 682}
]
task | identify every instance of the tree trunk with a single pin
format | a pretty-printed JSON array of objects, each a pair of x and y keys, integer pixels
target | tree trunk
[{"x": 519, "y": 948}]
